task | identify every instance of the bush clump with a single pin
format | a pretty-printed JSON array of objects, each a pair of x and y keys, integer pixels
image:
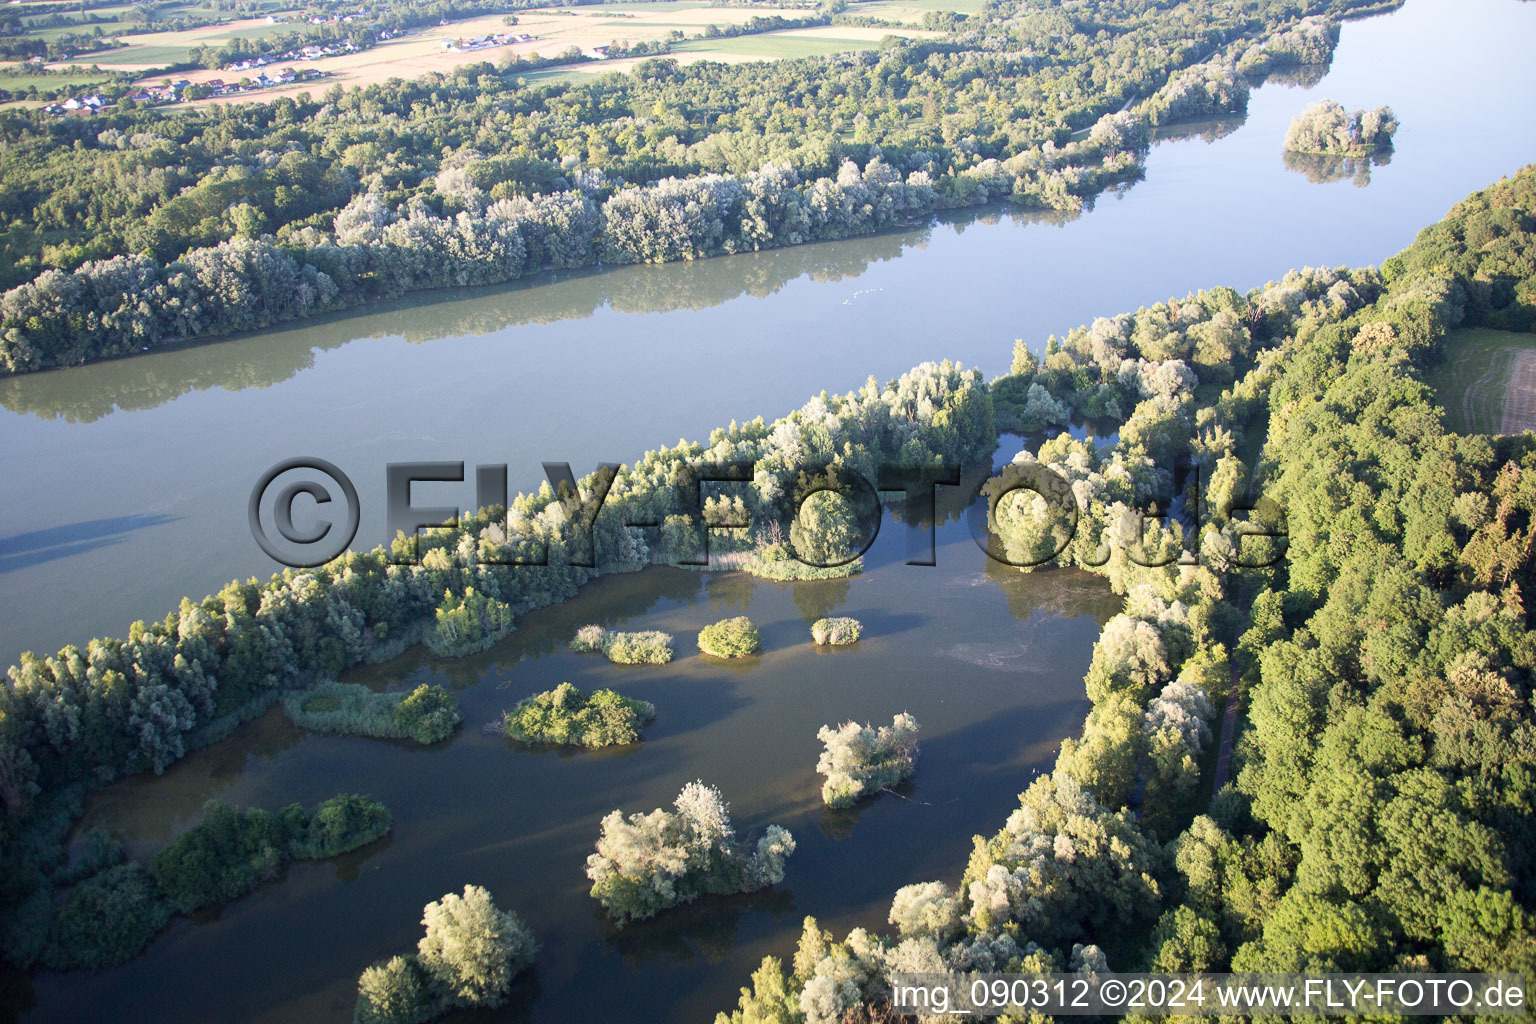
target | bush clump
[
  {"x": 588, "y": 638},
  {"x": 106, "y": 919},
  {"x": 650, "y": 647},
  {"x": 731, "y": 638},
  {"x": 836, "y": 631},
  {"x": 99, "y": 850},
  {"x": 340, "y": 825},
  {"x": 861, "y": 759},
  {"x": 427, "y": 714},
  {"x": 230, "y": 852},
  {"x": 776, "y": 562},
  {"x": 468, "y": 622},
  {"x": 468, "y": 957},
  {"x": 649, "y": 862},
  {"x": 568, "y": 716}
]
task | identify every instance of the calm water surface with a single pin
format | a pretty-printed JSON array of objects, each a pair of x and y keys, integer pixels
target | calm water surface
[{"x": 125, "y": 486}]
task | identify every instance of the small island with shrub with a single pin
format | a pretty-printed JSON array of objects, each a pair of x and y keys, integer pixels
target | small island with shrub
[
  {"x": 115, "y": 907},
  {"x": 567, "y": 716},
  {"x": 1327, "y": 129},
  {"x": 230, "y": 851},
  {"x": 731, "y": 638},
  {"x": 650, "y": 647},
  {"x": 861, "y": 759},
  {"x": 648, "y": 862},
  {"x": 838, "y": 631},
  {"x": 426, "y": 714},
  {"x": 471, "y": 952}
]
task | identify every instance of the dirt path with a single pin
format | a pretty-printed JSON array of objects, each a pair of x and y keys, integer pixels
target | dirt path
[
  {"x": 1520, "y": 396},
  {"x": 1228, "y": 731}
]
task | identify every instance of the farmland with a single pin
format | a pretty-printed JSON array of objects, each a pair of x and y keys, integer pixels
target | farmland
[
  {"x": 553, "y": 30},
  {"x": 588, "y": 28}
]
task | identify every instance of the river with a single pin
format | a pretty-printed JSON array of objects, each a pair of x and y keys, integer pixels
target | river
[{"x": 126, "y": 485}]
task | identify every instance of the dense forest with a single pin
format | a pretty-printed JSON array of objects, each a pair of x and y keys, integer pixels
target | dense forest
[
  {"x": 1381, "y": 815},
  {"x": 138, "y": 228}
]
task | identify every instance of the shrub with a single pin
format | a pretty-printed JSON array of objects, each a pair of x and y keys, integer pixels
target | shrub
[
  {"x": 836, "y": 631},
  {"x": 643, "y": 648},
  {"x": 648, "y": 648},
  {"x": 588, "y": 639},
  {"x": 107, "y": 919},
  {"x": 1038, "y": 872},
  {"x": 427, "y": 714},
  {"x": 825, "y": 532},
  {"x": 468, "y": 623},
  {"x": 342, "y": 824},
  {"x": 396, "y": 991},
  {"x": 566, "y": 715},
  {"x": 230, "y": 852},
  {"x": 99, "y": 851},
  {"x": 731, "y": 638},
  {"x": 649, "y": 862},
  {"x": 468, "y": 957},
  {"x": 225, "y": 855},
  {"x": 471, "y": 949},
  {"x": 861, "y": 759},
  {"x": 927, "y": 908},
  {"x": 776, "y": 562}
]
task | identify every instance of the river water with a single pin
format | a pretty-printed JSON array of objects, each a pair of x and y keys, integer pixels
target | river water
[
  {"x": 125, "y": 486},
  {"x": 125, "y": 483}
]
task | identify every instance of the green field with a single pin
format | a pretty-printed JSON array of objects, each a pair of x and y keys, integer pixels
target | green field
[
  {"x": 254, "y": 32},
  {"x": 147, "y": 55},
  {"x": 20, "y": 83},
  {"x": 774, "y": 44},
  {"x": 50, "y": 34},
  {"x": 1471, "y": 383},
  {"x": 549, "y": 76}
]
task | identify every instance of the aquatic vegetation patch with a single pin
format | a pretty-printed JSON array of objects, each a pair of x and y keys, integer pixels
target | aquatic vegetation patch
[
  {"x": 471, "y": 952},
  {"x": 426, "y": 714},
  {"x": 648, "y": 647},
  {"x": 837, "y": 631},
  {"x": 567, "y": 716},
  {"x": 731, "y": 638},
  {"x": 648, "y": 862},
  {"x": 862, "y": 759}
]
